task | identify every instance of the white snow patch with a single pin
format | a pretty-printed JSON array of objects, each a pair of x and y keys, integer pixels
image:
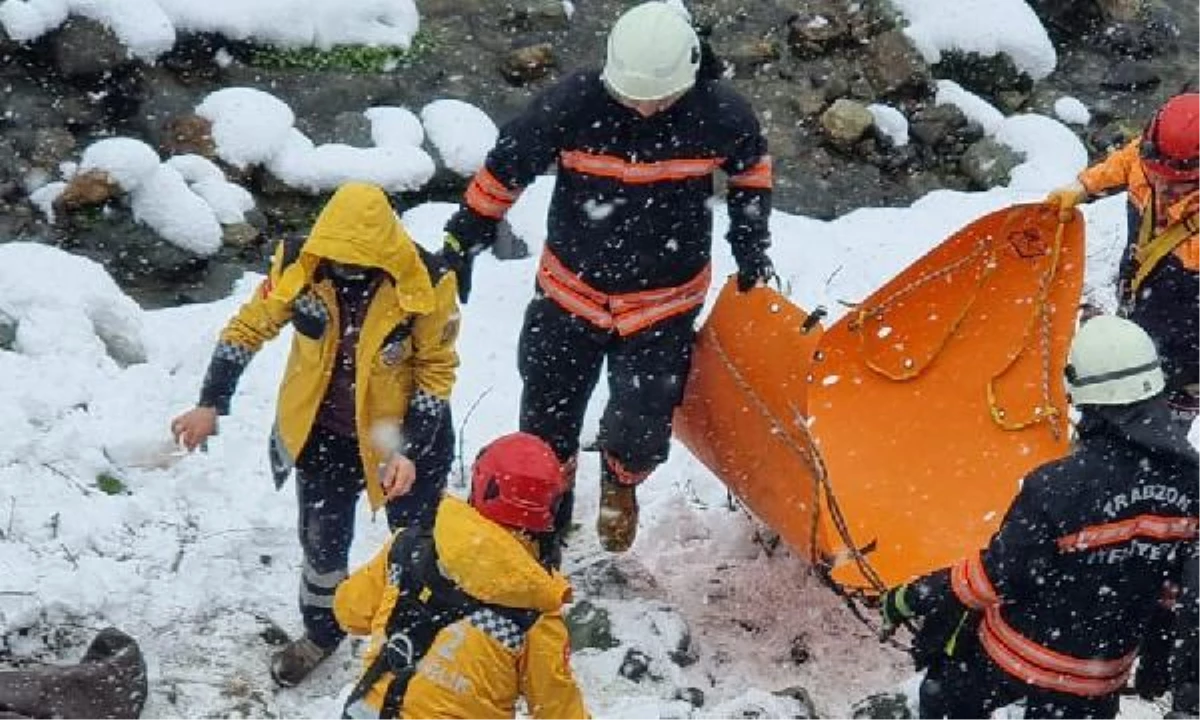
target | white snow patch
[
  {"x": 178, "y": 215},
  {"x": 891, "y": 122},
  {"x": 986, "y": 27},
  {"x": 1071, "y": 110},
  {"x": 249, "y": 126},
  {"x": 127, "y": 161},
  {"x": 395, "y": 126},
  {"x": 462, "y": 133}
]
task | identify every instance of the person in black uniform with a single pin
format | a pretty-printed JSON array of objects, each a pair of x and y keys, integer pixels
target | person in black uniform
[
  {"x": 1052, "y": 611},
  {"x": 627, "y": 264}
]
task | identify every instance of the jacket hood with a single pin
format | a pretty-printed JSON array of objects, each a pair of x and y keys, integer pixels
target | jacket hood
[
  {"x": 490, "y": 563},
  {"x": 358, "y": 227},
  {"x": 1148, "y": 424}
]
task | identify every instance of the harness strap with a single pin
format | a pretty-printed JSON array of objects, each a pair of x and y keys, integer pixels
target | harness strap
[
  {"x": 627, "y": 313},
  {"x": 427, "y": 602},
  {"x": 1151, "y": 249}
]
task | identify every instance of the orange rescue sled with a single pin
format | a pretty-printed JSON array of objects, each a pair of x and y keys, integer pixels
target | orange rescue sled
[{"x": 892, "y": 443}]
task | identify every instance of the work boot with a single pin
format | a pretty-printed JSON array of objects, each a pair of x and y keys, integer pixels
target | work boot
[
  {"x": 296, "y": 660},
  {"x": 616, "y": 525}
]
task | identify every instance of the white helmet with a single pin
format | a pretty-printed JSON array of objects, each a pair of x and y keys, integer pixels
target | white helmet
[
  {"x": 653, "y": 53},
  {"x": 1112, "y": 362}
]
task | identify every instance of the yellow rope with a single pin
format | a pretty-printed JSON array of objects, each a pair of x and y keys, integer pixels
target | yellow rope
[
  {"x": 915, "y": 370},
  {"x": 1046, "y": 412}
]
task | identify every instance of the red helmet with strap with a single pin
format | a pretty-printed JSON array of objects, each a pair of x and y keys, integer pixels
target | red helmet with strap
[
  {"x": 517, "y": 482},
  {"x": 1171, "y": 143}
]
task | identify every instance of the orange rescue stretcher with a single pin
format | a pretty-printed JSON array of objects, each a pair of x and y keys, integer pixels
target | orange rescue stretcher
[{"x": 892, "y": 443}]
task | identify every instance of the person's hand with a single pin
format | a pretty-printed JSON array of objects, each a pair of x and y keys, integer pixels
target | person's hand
[
  {"x": 754, "y": 270},
  {"x": 194, "y": 427},
  {"x": 1065, "y": 199},
  {"x": 397, "y": 476},
  {"x": 460, "y": 262}
]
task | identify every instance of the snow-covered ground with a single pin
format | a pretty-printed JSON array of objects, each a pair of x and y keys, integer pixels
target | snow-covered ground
[{"x": 196, "y": 556}]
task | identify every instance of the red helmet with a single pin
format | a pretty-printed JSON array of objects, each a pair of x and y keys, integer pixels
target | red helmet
[
  {"x": 517, "y": 481},
  {"x": 1171, "y": 142}
]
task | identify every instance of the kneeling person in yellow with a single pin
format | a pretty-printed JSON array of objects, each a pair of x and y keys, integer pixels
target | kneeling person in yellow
[
  {"x": 364, "y": 399},
  {"x": 466, "y": 617}
]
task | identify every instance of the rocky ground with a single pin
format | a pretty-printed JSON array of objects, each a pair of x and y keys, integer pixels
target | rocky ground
[{"x": 809, "y": 67}]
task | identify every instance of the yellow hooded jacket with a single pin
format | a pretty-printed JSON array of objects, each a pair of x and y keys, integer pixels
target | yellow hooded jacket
[
  {"x": 358, "y": 227},
  {"x": 467, "y": 672},
  {"x": 1123, "y": 168}
]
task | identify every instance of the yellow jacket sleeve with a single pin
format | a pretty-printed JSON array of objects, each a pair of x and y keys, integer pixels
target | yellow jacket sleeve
[
  {"x": 435, "y": 361},
  {"x": 359, "y": 596},
  {"x": 546, "y": 679},
  {"x": 261, "y": 318},
  {"x": 1113, "y": 171}
]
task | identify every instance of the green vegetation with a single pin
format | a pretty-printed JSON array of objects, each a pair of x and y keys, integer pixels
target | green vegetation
[
  {"x": 111, "y": 484},
  {"x": 350, "y": 58}
]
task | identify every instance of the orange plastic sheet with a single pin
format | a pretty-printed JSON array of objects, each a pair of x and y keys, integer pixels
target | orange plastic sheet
[{"x": 892, "y": 443}]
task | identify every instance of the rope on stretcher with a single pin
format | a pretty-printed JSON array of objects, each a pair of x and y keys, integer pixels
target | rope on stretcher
[{"x": 1045, "y": 411}]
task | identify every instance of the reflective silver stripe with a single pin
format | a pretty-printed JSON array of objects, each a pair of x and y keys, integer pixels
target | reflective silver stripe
[
  {"x": 499, "y": 628},
  {"x": 328, "y": 580},
  {"x": 316, "y": 600}
]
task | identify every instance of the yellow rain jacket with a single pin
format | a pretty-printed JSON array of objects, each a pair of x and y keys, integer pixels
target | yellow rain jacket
[
  {"x": 468, "y": 673},
  {"x": 357, "y": 227},
  {"x": 1123, "y": 168}
]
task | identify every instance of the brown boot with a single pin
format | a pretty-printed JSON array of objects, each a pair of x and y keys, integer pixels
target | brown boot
[
  {"x": 616, "y": 525},
  {"x": 296, "y": 660}
]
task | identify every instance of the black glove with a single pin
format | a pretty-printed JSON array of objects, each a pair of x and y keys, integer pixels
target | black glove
[
  {"x": 753, "y": 266},
  {"x": 309, "y": 315},
  {"x": 459, "y": 261},
  {"x": 894, "y": 607}
]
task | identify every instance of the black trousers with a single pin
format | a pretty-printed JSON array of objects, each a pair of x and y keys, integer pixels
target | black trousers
[
  {"x": 970, "y": 685},
  {"x": 329, "y": 480},
  {"x": 560, "y": 357}
]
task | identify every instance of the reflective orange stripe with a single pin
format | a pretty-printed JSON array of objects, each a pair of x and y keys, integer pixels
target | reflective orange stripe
[
  {"x": 487, "y": 196},
  {"x": 628, "y": 312},
  {"x": 625, "y": 476},
  {"x": 971, "y": 584},
  {"x": 1037, "y": 665},
  {"x": 1155, "y": 527},
  {"x": 757, "y": 177},
  {"x": 635, "y": 173}
]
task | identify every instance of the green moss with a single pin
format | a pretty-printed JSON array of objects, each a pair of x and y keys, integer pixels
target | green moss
[
  {"x": 349, "y": 58},
  {"x": 111, "y": 484}
]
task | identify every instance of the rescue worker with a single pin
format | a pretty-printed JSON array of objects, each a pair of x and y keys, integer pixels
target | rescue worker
[
  {"x": 1053, "y": 609},
  {"x": 626, "y": 263},
  {"x": 1158, "y": 281},
  {"x": 364, "y": 401},
  {"x": 465, "y": 618}
]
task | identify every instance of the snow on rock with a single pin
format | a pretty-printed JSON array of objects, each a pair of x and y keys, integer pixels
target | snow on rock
[
  {"x": 891, "y": 122},
  {"x": 149, "y": 27},
  {"x": 462, "y": 133},
  {"x": 252, "y": 127},
  {"x": 395, "y": 126},
  {"x": 1071, "y": 110},
  {"x": 43, "y": 198},
  {"x": 140, "y": 25},
  {"x": 25, "y": 20},
  {"x": 127, "y": 161},
  {"x": 229, "y": 202},
  {"x": 178, "y": 215},
  {"x": 1054, "y": 154},
  {"x": 52, "y": 293},
  {"x": 248, "y": 126},
  {"x": 986, "y": 27},
  {"x": 395, "y": 168},
  {"x": 973, "y": 107}
]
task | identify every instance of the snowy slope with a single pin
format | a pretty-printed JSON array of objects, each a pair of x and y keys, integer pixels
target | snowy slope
[{"x": 199, "y": 557}]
